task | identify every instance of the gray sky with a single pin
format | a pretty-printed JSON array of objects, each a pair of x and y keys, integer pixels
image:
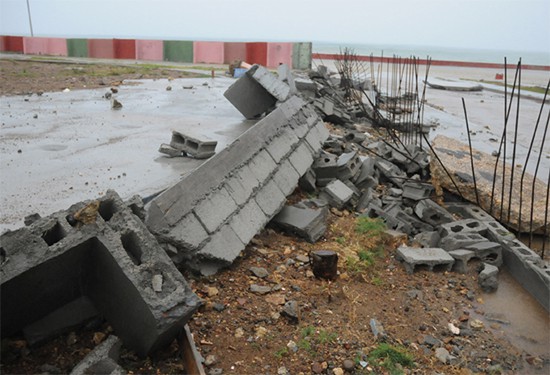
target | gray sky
[{"x": 480, "y": 24}]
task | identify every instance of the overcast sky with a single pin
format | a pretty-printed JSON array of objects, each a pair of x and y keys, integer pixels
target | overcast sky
[{"x": 480, "y": 24}]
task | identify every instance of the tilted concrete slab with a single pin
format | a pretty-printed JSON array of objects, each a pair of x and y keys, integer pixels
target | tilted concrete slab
[
  {"x": 211, "y": 214},
  {"x": 112, "y": 261}
]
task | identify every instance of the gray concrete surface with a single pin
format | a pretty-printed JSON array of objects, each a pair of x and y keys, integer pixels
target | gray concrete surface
[{"x": 78, "y": 147}]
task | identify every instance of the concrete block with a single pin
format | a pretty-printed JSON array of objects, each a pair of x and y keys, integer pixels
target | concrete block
[
  {"x": 307, "y": 181},
  {"x": 461, "y": 257},
  {"x": 285, "y": 75},
  {"x": 356, "y": 193},
  {"x": 428, "y": 239},
  {"x": 367, "y": 177},
  {"x": 489, "y": 252},
  {"x": 262, "y": 165},
  {"x": 60, "y": 321},
  {"x": 305, "y": 84},
  {"x": 337, "y": 194},
  {"x": 188, "y": 234},
  {"x": 317, "y": 135},
  {"x": 248, "y": 221},
  {"x": 200, "y": 147},
  {"x": 270, "y": 198},
  {"x": 281, "y": 145},
  {"x": 224, "y": 246},
  {"x": 428, "y": 257},
  {"x": 215, "y": 208},
  {"x": 241, "y": 184},
  {"x": 391, "y": 172},
  {"x": 417, "y": 190},
  {"x": 463, "y": 226},
  {"x": 468, "y": 211},
  {"x": 326, "y": 166},
  {"x": 304, "y": 222},
  {"x": 349, "y": 165},
  {"x": 460, "y": 240},
  {"x": 102, "y": 359},
  {"x": 277, "y": 88},
  {"x": 519, "y": 251},
  {"x": 365, "y": 200},
  {"x": 286, "y": 177},
  {"x": 170, "y": 151},
  {"x": 496, "y": 232},
  {"x": 301, "y": 159},
  {"x": 488, "y": 278},
  {"x": 110, "y": 261},
  {"x": 249, "y": 97},
  {"x": 432, "y": 213}
]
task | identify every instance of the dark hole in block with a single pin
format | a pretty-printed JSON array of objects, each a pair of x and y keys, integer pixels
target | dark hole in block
[
  {"x": 107, "y": 209},
  {"x": 176, "y": 138},
  {"x": 475, "y": 209},
  {"x": 352, "y": 166},
  {"x": 456, "y": 228},
  {"x": 137, "y": 211},
  {"x": 193, "y": 145},
  {"x": 435, "y": 217},
  {"x": 327, "y": 160},
  {"x": 131, "y": 243},
  {"x": 440, "y": 268},
  {"x": 473, "y": 224},
  {"x": 3, "y": 255},
  {"x": 491, "y": 257},
  {"x": 54, "y": 234}
]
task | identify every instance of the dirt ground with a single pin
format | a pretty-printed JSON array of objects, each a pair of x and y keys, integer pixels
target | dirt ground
[{"x": 239, "y": 331}]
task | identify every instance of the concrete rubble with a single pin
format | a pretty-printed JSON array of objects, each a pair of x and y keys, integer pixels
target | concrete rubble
[{"x": 61, "y": 270}]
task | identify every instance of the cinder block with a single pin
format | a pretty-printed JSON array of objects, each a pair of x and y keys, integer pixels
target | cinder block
[
  {"x": 307, "y": 223},
  {"x": 262, "y": 165},
  {"x": 315, "y": 137},
  {"x": 102, "y": 359},
  {"x": 282, "y": 144},
  {"x": 429, "y": 257},
  {"x": 248, "y": 221},
  {"x": 286, "y": 177},
  {"x": 215, "y": 208},
  {"x": 326, "y": 166},
  {"x": 200, "y": 147},
  {"x": 432, "y": 213},
  {"x": 460, "y": 240},
  {"x": 337, "y": 194},
  {"x": 249, "y": 97},
  {"x": 224, "y": 246},
  {"x": 496, "y": 232},
  {"x": 417, "y": 190},
  {"x": 488, "y": 252},
  {"x": 461, "y": 257},
  {"x": 285, "y": 75},
  {"x": 428, "y": 239},
  {"x": 170, "y": 151},
  {"x": 270, "y": 198},
  {"x": 301, "y": 159},
  {"x": 110, "y": 261},
  {"x": 367, "y": 177},
  {"x": 241, "y": 184},
  {"x": 488, "y": 278},
  {"x": 188, "y": 234},
  {"x": 307, "y": 181},
  {"x": 463, "y": 226},
  {"x": 391, "y": 172},
  {"x": 349, "y": 165}
]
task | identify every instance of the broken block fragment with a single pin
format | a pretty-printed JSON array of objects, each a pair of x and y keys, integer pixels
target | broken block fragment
[
  {"x": 413, "y": 257},
  {"x": 200, "y": 147},
  {"x": 305, "y": 222}
]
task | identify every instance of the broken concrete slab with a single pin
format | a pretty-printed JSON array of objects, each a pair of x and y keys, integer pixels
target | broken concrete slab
[
  {"x": 200, "y": 147},
  {"x": 460, "y": 240},
  {"x": 337, "y": 194},
  {"x": 102, "y": 359},
  {"x": 305, "y": 222},
  {"x": 211, "y": 214},
  {"x": 391, "y": 172},
  {"x": 432, "y": 213},
  {"x": 111, "y": 260},
  {"x": 170, "y": 151},
  {"x": 489, "y": 252},
  {"x": 488, "y": 278},
  {"x": 430, "y": 257},
  {"x": 285, "y": 74},
  {"x": 461, "y": 257},
  {"x": 417, "y": 190}
]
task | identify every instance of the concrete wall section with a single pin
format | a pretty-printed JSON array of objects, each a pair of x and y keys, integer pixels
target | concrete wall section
[
  {"x": 208, "y": 52},
  {"x": 151, "y": 50},
  {"x": 101, "y": 48},
  {"x": 301, "y": 56},
  {"x": 279, "y": 53},
  {"x": 114, "y": 261},
  {"x": 45, "y": 46},
  {"x": 125, "y": 48},
  {"x": 178, "y": 50},
  {"x": 256, "y": 53},
  {"x": 215, "y": 211},
  {"x": 234, "y": 51},
  {"x": 77, "y": 47}
]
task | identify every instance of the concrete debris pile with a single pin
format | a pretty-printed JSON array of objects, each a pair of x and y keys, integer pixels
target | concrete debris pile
[{"x": 59, "y": 271}]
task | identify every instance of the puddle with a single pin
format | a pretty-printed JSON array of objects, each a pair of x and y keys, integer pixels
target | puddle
[{"x": 520, "y": 318}]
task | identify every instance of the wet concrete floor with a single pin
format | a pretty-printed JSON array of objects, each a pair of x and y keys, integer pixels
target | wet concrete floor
[{"x": 64, "y": 147}]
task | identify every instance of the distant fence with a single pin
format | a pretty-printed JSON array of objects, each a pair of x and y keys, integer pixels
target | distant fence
[{"x": 270, "y": 54}]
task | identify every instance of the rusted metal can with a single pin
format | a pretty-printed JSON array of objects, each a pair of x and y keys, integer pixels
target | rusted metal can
[{"x": 324, "y": 264}]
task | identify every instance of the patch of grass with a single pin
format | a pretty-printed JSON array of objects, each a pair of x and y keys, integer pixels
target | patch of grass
[
  {"x": 391, "y": 358},
  {"x": 307, "y": 331},
  {"x": 281, "y": 352},
  {"x": 377, "y": 281},
  {"x": 370, "y": 227},
  {"x": 340, "y": 240},
  {"x": 304, "y": 345},
  {"x": 539, "y": 90},
  {"x": 326, "y": 337}
]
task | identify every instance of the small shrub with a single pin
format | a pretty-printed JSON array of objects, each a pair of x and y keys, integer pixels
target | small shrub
[
  {"x": 370, "y": 227},
  {"x": 325, "y": 337},
  {"x": 389, "y": 356}
]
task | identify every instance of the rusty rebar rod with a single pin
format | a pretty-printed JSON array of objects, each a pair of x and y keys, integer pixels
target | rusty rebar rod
[{"x": 471, "y": 152}]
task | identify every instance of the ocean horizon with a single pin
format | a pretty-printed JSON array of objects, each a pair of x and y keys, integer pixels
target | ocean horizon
[{"x": 437, "y": 53}]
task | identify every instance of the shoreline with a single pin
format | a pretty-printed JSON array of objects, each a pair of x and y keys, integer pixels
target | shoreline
[{"x": 451, "y": 63}]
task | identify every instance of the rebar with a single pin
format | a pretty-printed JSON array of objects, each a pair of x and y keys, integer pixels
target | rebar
[{"x": 471, "y": 153}]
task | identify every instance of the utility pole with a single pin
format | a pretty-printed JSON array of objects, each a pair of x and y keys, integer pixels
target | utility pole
[{"x": 30, "y": 19}]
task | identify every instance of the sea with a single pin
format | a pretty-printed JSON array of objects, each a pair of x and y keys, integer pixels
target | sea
[{"x": 438, "y": 53}]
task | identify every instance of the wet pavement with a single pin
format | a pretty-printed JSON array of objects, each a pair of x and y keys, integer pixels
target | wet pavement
[{"x": 64, "y": 147}]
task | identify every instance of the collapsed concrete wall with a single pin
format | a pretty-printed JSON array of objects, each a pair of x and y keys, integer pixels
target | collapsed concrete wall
[
  {"x": 207, "y": 219},
  {"x": 112, "y": 260}
]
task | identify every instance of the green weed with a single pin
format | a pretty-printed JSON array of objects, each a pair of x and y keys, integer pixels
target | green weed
[
  {"x": 370, "y": 227},
  {"x": 340, "y": 240},
  {"x": 389, "y": 357},
  {"x": 281, "y": 352}
]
